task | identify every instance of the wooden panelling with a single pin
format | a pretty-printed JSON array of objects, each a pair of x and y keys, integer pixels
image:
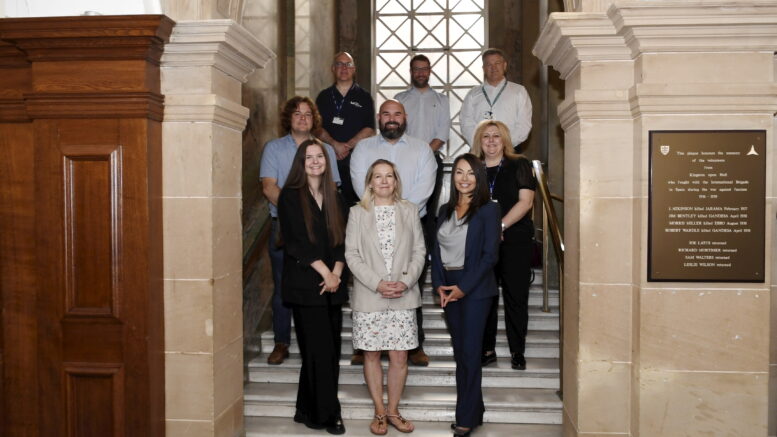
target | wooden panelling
[{"x": 81, "y": 328}]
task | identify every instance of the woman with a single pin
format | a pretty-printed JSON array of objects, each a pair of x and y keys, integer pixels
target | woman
[
  {"x": 463, "y": 260},
  {"x": 312, "y": 218},
  {"x": 384, "y": 247},
  {"x": 512, "y": 184}
]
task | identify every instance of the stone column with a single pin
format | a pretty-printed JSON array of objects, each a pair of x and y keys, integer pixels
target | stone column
[
  {"x": 657, "y": 358},
  {"x": 203, "y": 69}
]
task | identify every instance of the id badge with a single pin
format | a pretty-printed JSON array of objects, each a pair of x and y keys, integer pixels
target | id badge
[{"x": 338, "y": 120}]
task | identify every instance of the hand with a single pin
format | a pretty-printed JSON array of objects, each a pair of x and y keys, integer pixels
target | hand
[
  {"x": 330, "y": 283},
  {"x": 449, "y": 293},
  {"x": 341, "y": 149},
  {"x": 390, "y": 289}
]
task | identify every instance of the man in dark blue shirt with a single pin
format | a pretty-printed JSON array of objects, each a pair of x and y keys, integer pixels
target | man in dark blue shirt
[{"x": 348, "y": 115}]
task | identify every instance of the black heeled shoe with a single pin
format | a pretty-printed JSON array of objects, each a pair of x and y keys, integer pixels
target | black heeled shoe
[
  {"x": 337, "y": 428},
  {"x": 461, "y": 432}
]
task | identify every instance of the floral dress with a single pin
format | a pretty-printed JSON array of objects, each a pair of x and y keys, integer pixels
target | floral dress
[{"x": 387, "y": 329}]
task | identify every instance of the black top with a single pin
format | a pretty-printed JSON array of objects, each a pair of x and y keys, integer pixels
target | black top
[
  {"x": 512, "y": 176},
  {"x": 357, "y": 111},
  {"x": 299, "y": 280}
]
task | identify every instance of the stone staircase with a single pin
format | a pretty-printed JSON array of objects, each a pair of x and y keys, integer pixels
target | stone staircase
[{"x": 526, "y": 400}]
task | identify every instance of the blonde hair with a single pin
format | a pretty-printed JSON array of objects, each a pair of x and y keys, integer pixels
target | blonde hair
[
  {"x": 367, "y": 198},
  {"x": 504, "y": 132}
]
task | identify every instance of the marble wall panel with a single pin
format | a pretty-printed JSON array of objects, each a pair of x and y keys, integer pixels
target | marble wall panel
[
  {"x": 746, "y": 67},
  {"x": 230, "y": 422},
  {"x": 187, "y": 156},
  {"x": 189, "y": 428},
  {"x": 689, "y": 404},
  {"x": 185, "y": 400},
  {"x": 607, "y": 75},
  {"x": 227, "y": 241},
  {"x": 704, "y": 329},
  {"x": 228, "y": 376},
  {"x": 606, "y": 159},
  {"x": 605, "y": 322},
  {"x": 604, "y": 396},
  {"x": 182, "y": 235},
  {"x": 772, "y": 399},
  {"x": 189, "y": 322},
  {"x": 226, "y": 161},
  {"x": 605, "y": 238},
  {"x": 227, "y": 310}
]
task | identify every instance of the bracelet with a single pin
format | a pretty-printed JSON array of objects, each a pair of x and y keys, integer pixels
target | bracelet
[{"x": 503, "y": 226}]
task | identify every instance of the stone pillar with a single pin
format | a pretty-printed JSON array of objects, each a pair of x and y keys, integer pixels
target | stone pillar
[
  {"x": 657, "y": 358},
  {"x": 203, "y": 69}
]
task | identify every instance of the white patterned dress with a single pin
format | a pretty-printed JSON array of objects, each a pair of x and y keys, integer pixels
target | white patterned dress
[{"x": 387, "y": 329}]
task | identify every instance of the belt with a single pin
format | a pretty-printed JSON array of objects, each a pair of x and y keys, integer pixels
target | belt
[{"x": 453, "y": 269}]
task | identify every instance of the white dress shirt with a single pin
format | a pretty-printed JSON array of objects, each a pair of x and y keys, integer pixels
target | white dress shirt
[
  {"x": 513, "y": 108},
  {"x": 428, "y": 114},
  {"x": 412, "y": 157}
]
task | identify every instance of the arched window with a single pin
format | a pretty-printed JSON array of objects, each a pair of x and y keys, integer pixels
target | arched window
[{"x": 452, "y": 33}]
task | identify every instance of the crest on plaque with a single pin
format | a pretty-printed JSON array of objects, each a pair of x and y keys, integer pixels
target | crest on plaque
[{"x": 664, "y": 149}]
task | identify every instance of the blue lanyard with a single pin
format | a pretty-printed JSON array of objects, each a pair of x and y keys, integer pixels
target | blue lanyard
[
  {"x": 492, "y": 183},
  {"x": 491, "y": 105},
  {"x": 339, "y": 107}
]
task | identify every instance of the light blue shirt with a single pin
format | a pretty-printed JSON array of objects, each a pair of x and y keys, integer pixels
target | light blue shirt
[
  {"x": 428, "y": 114},
  {"x": 414, "y": 160},
  {"x": 277, "y": 158}
]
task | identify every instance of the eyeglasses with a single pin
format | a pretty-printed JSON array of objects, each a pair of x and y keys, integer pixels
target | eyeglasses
[
  {"x": 343, "y": 65},
  {"x": 421, "y": 69}
]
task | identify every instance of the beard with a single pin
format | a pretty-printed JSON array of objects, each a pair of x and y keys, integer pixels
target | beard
[
  {"x": 392, "y": 130},
  {"x": 422, "y": 83}
]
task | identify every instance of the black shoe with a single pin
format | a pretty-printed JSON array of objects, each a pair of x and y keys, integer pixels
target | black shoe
[
  {"x": 488, "y": 358},
  {"x": 461, "y": 432},
  {"x": 518, "y": 362},
  {"x": 303, "y": 419},
  {"x": 337, "y": 429}
]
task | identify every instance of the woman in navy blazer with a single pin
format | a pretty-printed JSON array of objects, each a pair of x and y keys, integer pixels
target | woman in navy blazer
[{"x": 463, "y": 258}]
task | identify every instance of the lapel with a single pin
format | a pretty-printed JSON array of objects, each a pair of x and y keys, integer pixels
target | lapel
[{"x": 372, "y": 230}]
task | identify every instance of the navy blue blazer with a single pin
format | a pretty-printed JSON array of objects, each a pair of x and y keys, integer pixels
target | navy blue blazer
[{"x": 481, "y": 252}]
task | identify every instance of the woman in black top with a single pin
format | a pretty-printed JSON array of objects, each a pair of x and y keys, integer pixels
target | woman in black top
[
  {"x": 312, "y": 217},
  {"x": 512, "y": 184}
]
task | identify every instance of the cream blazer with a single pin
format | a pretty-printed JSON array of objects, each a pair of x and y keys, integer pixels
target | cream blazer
[{"x": 364, "y": 258}]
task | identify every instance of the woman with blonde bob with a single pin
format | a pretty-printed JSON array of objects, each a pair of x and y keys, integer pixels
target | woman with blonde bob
[
  {"x": 512, "y": 184},
  {"x": 384, "y": 248}
]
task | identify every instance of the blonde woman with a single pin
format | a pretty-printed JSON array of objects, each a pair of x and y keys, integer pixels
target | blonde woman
[{"x": 384, "y": 248}]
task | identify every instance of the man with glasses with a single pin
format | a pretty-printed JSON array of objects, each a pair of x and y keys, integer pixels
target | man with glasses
[
  {"x": 497, "y": 99},
  {"x": 348, "y": 116},
  {"x": 428, "y": 119},
  {"x": 299, "y": 117}
]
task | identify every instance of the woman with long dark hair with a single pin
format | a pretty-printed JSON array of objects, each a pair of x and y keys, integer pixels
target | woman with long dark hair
[
  {"x": 465, "y": 252},
  {"x": 312, "y": 217},
  {"x": 512, "y": 184}
]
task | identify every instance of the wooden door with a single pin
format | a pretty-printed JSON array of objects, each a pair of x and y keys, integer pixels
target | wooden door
[{"x": 81, "y": 340}]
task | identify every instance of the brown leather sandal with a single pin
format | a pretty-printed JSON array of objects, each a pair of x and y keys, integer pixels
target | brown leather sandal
[
  {"x": 405, "y": 425},
  {"x": 379, "y": 425}
]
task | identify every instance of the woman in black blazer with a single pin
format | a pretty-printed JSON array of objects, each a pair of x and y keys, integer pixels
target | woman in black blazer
[
  {"x": 463, "y": 258},
  {"x": 312, "y": 217}
]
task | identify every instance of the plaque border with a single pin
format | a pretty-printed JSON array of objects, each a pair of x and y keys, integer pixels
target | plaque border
[{"x": 650, "y": 206}]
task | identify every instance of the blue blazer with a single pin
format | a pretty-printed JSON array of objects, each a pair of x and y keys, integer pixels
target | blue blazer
[{"x": 481, "y": 252}]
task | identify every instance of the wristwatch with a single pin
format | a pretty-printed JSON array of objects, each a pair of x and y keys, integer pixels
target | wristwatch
[{"x": 503, "y": 226}]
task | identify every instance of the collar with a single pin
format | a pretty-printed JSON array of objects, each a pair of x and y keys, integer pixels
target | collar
[
  {"x": 402, "y": 139},
  {"x": 497, "y": 86}
]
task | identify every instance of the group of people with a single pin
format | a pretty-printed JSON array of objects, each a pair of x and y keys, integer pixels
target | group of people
[{"x": 380, "y": 225}]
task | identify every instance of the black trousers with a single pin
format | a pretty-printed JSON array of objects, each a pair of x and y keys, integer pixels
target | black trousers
[
  {"x": 513, "y": 271},
  {"x": 318, "y": 335},
  {"x": 346, "y": 186},
  {"x": 429, "y": 226}
]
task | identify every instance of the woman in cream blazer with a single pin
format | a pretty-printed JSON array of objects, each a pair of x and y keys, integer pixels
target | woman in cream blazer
[{"x": 384, "y": 248}]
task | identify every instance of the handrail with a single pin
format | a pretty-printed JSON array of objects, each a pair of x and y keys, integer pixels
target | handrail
[{"x": 550, "y": 222}]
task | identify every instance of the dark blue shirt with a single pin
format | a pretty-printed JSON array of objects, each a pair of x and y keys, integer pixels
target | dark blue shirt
[{"x": 356, "y": 109}]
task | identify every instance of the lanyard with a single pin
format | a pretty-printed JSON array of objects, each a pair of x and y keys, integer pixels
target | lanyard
[
  {"x": 493, "y": 182},
  {"x": 339, "y": 107},
  {"x": 499, "y": 94}
]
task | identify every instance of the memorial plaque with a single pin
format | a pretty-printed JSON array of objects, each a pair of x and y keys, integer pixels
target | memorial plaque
[{"x": 707, "y": 206}]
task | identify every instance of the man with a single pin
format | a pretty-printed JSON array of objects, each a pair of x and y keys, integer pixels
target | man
[
  {"x": 299, "y": 117},
  {"x": 497, "y": 99},
  {"x": 348, "y": 116},
  {"x": 415, "y": 163},
  {"x": 428, "y": 119}
]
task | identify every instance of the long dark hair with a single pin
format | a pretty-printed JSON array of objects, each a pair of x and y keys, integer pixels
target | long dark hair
[
  {"x": 480, "y": 194},
  {"x": 298, "y": 180}
]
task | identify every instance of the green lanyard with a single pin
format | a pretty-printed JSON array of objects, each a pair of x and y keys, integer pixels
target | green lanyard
[{"x": 491, "y": 105}]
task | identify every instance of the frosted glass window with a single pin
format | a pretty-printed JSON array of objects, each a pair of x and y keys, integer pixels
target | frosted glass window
[{"x": 452, "y": 33}]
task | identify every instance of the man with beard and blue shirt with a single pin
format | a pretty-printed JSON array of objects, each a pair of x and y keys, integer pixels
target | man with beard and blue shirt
[{"x": 415, "y": 163}]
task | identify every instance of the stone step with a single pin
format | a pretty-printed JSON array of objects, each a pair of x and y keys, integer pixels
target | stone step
[
  {"x": 535, "y": 296},
  {"x": 539, "y": 373},
  {"x": 283, "y": 426},
  {"x": 539, "y": 344},
  {"x": 428, "y": 403}
]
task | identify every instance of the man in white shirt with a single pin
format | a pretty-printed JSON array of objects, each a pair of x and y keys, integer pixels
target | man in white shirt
[
  {"x": 428, "y": 119},
  {"x": 413, "y": 157},
  {"x": 497, "y": 99}
]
